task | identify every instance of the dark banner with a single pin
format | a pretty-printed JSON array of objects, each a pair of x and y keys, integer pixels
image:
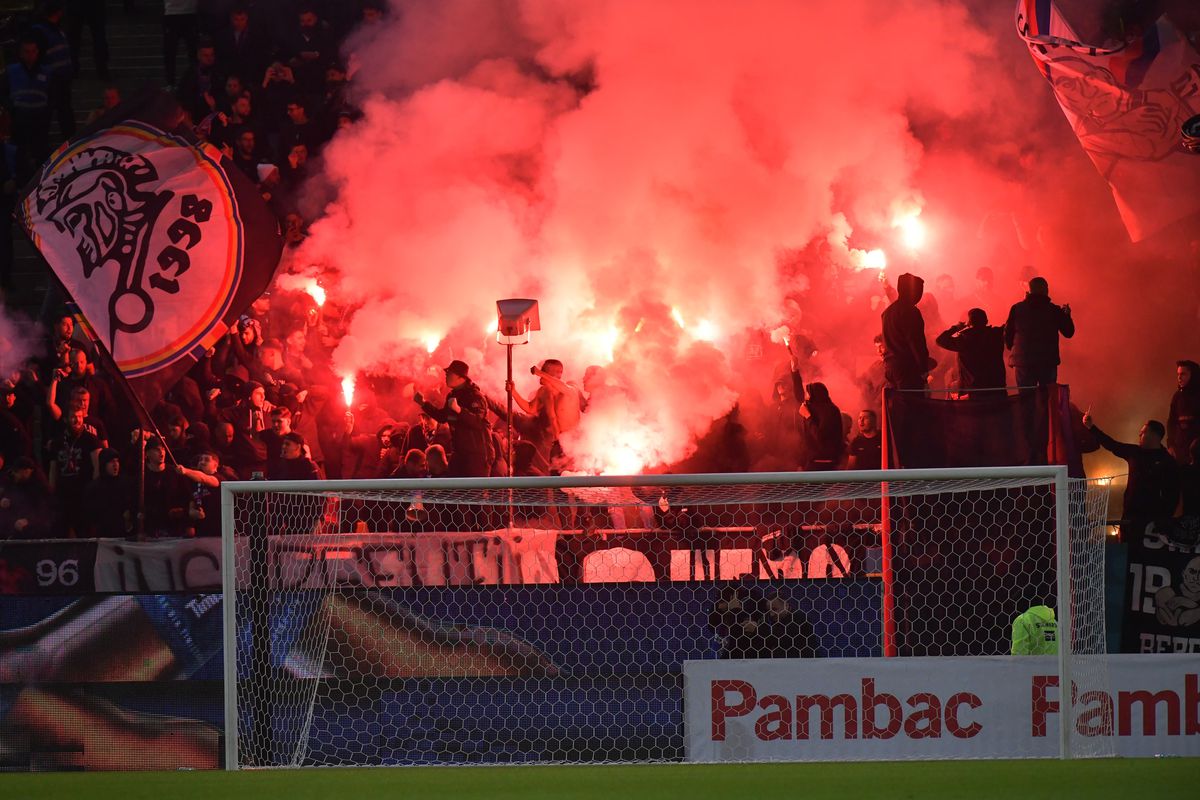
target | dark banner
[
  {"x": 1030, "y": 428},
  {"x": 110, "y": 682},
  {"x": 1162, "y": 589}
]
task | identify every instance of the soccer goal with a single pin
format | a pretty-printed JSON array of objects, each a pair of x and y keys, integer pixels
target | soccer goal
[{"x": 563, "y": 620}]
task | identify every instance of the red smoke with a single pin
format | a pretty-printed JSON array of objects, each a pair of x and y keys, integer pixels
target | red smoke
[{"x": 671, "y": 179}]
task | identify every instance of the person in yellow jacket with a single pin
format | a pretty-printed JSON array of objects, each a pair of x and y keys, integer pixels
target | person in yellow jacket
[{"x": 1035, "y": 633}]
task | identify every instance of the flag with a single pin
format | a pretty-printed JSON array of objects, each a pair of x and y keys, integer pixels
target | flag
[
  {"x": 1126, "y": 102},
  {"x": 159, "y": 242}
]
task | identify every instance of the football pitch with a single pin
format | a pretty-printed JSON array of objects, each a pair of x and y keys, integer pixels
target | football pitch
[{"x": 1024, "y": 780}]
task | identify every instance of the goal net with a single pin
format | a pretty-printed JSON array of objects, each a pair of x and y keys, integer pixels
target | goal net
[{"x": 549, "y": 620}]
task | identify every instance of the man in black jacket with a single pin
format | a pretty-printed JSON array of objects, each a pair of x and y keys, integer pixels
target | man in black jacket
[
  {"x": 980, "y": 349},
  {"x": 1152, "y": 490},
  {"x": 1183, "y": 424},
  {"x": 466, "y": 413},
  {"x": 905, "y": 353},
  {"x": 1032, "y": 332}
]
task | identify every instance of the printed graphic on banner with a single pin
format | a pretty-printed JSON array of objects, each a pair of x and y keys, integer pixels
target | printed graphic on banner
[
  {"x": 570, "y": 668},
  {"x": 125, "y": 214},
  {"x": 110, "y": 639},
  {"x": 1127, "y": 102},
  {"x": 1162, "y": 590},
  {"x": 110, "y": 682},
  {"x": 56, "y": 567},
  {"x": 141, "y": 726},
  {"x": 965, "y": 707},
  {"x": 159, "y": 246}
]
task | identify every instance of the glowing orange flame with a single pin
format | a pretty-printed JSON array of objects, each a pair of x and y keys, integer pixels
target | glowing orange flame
[
  {"x": 706, "y": 331},
  {"x": 348, "y": 390},
  {"x": 431, "y": 342},
  {"x": 316, "y": 291}
]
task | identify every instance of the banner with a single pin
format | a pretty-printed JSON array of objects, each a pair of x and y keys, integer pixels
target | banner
[
  {"x": 876, "y": 709},
  {"x": 160, "y": 246},
  {"x": 1162, "y": 590},
  {"x": 1126, "y": 102},
  {"x": 1007, "y": 430},
  {"x": 485, "y": 558},
  {"x": 110, "y": 682}
]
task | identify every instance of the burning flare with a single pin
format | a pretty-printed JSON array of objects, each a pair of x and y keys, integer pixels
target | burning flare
[
  {"x": 348, "y": 390},
  {"x": 316, "y": 291}
]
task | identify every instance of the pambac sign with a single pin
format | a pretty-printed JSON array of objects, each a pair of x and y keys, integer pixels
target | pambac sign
[{"x": 899, "y": 708}]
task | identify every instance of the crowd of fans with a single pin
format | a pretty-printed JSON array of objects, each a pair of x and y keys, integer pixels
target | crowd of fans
[{"x": 264, "y": 403}]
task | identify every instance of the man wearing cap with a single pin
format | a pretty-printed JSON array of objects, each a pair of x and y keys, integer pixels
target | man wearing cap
[{"x": 465, "y": 412}]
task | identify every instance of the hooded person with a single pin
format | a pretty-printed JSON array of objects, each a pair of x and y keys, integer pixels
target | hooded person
[
  {"x": 1032, "y": 332},
  {"x": 906, "y": 358},
  {"x": 824, "y": 437}
]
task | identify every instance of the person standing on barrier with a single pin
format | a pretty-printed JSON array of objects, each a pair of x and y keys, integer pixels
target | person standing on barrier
[
  {"x": 1031, "y": 333},
  {"x": 906, "y": 359},
  {"x": 980, "y": 349}
]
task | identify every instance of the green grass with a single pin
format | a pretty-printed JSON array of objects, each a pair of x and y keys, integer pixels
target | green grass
[{"x": 961, "y": 780}]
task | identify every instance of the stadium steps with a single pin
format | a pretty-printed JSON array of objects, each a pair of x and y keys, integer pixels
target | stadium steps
[{"x": 135, "y": 59}]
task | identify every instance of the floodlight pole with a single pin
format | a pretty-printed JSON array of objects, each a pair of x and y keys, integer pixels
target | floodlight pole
[{"x": 508, "y": 439}]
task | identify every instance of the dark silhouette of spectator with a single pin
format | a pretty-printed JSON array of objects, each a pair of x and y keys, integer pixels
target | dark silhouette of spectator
[
  {"x": 93, "y": 14},
  {"x": 27, "y": 99},
  {"x": 788, "y": 632},
  {"x": 1183, "y": 423},
  {"x": 872, "y": 380},
  {"x": 1031, "y": 333},
  {"x": 866, "y": 448},
  {"x": 298, "y": 128},
  {"x": 272, "y": 437},
  {"x": 74, "y": 452},
  {"x": 466, "y": 413},
  {"x": 180, "y": 24},
  {"x": 824, "y": 437},
  {"x": 15, "y": 440},
  {"x": 165, "y": 495},
  {"x": 109, "y": 501},
  {"x": 246, "y": 155},
  {"x": 308, "y": 48},
  {"x": 201, "y": 83},
  {"x": 1152, "y": 490},
  {"x": 110, "y": 98},
  {"x": 242, "y": 47},
  {"x": 26, "y": 502},
  {"x": 57, "y": 61},
  {"x": 980, "y": 349},
  {"x": 905, "y": 353},
  {"x": 437, "y": 462}
]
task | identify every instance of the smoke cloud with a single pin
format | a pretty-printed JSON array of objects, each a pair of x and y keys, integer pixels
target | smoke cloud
[{"x": 675, "y": 180}]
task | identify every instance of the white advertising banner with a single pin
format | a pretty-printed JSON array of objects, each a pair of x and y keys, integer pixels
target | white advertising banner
[{"x": 934, "y": 708}]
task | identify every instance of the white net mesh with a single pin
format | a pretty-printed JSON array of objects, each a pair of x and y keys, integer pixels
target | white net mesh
[{"x": 426, "y": 623}]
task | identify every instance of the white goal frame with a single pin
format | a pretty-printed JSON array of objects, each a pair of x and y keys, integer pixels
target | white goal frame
[{"x": 1055, "y": 476}]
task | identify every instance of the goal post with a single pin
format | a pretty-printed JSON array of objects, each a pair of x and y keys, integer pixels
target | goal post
[{"x": 549, "y": 620}]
